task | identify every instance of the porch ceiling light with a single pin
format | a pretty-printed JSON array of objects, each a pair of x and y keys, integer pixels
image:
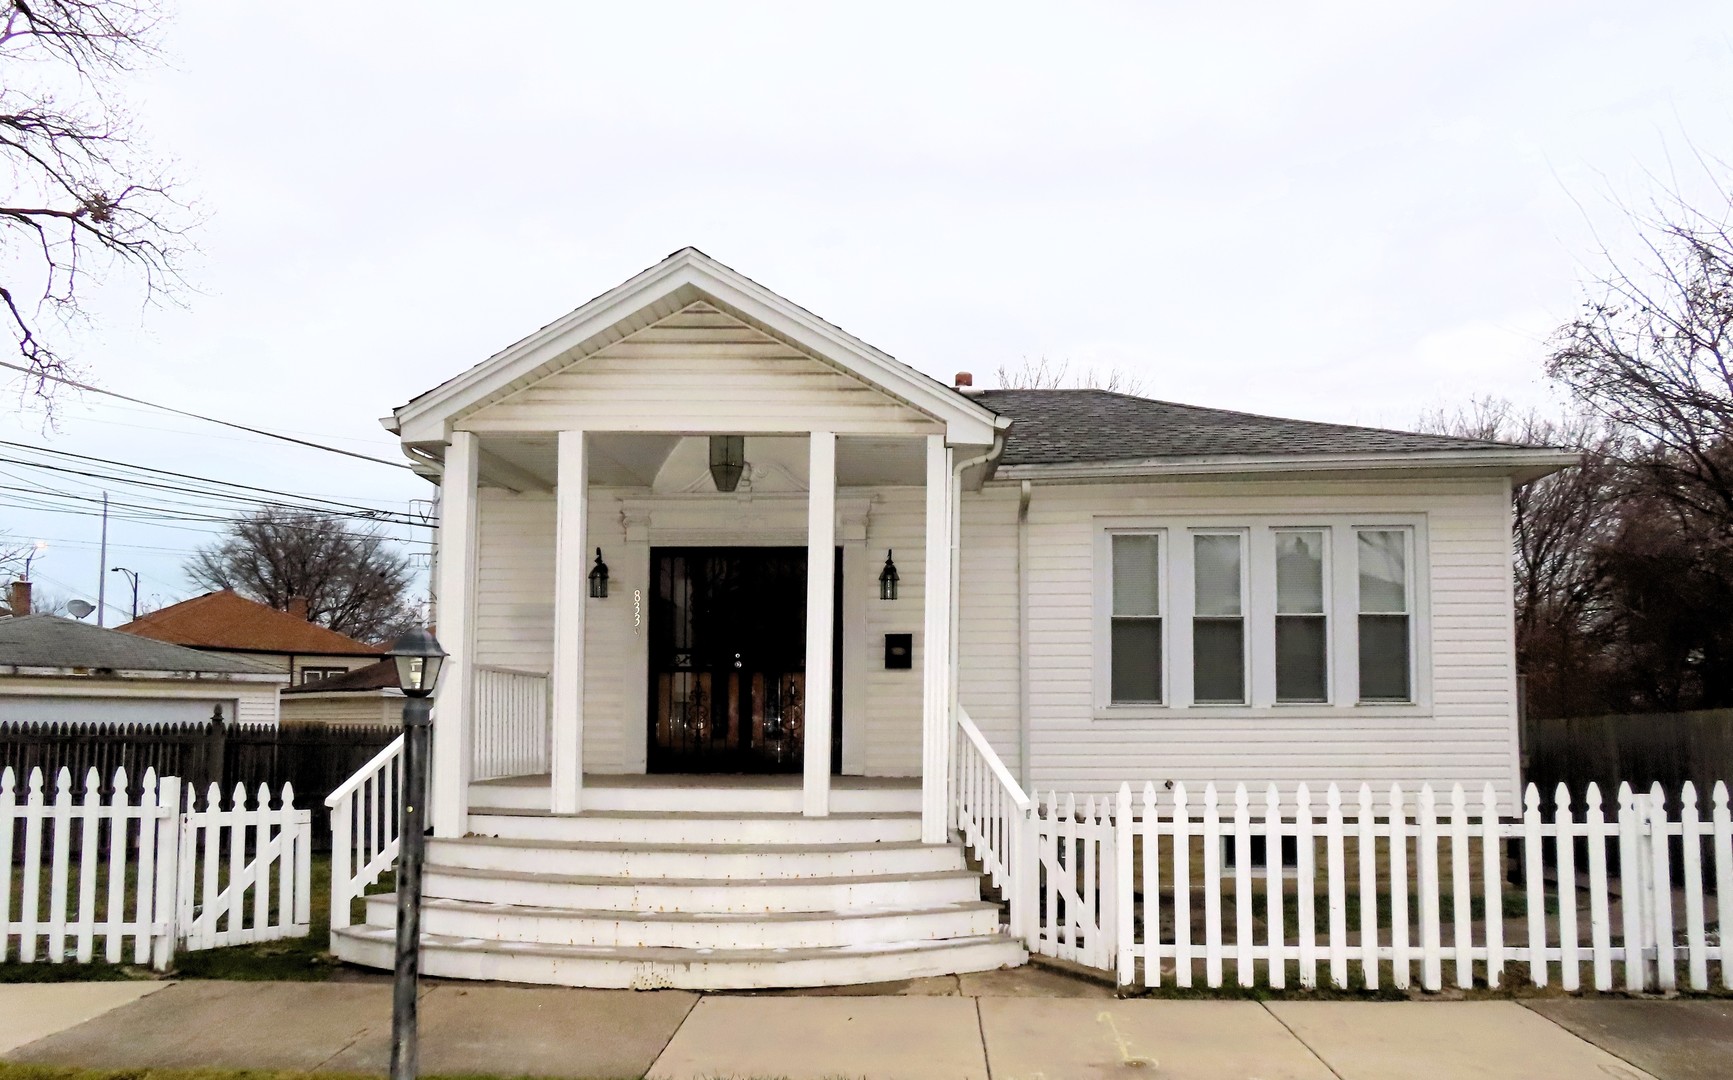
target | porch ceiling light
[
  {"x": 599, "y": 578},
  {"x": 418, "y": 658},
  {"x": 888, "y": 578},
  {"x": 727, "y": 460}
]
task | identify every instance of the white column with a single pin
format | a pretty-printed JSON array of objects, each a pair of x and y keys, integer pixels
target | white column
[
  {"x": 936, "y": 648},
  {"x": 820, "y": 620},
  {"x": 454, "y": 614},
  {"x": 571, "y": 593}
]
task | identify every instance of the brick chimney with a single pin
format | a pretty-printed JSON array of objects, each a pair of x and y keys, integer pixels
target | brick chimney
[
  {"x": 298, "y": 607},
  {"x": 18, "y": 598},
  {"x": 963, "y": 381}
]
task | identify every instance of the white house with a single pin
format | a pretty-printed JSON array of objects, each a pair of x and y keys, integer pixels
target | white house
[{"x": 739, "y": 765}]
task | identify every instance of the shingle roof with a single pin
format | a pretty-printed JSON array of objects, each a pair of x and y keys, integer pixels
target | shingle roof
[
  {"x": 380, "y": 676},
  {"x": 1068, "y": 427},
  {"x": 228, "y": 620},
  {"x": 48, "y": 641}
]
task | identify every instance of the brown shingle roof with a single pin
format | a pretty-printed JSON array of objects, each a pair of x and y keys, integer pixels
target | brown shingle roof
[
  {"x": 228, "y": 620},
  {"x": 379, "y": 676}
]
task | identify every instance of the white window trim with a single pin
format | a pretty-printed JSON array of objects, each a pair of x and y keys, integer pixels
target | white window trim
[
  {"x": 1103, "y": 610},
  {"x": 1411, "y": 597},
  {"x": 1342, "y": 586}
]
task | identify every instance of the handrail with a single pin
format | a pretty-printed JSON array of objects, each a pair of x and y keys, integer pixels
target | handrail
[
  {"x": 994, "y": 815},
  {"x": 1000, "y": 772},
  {"x": 503, "y": 670},
  {"x": 377, "y": 762},
  {"x": 364, "y": 828}
]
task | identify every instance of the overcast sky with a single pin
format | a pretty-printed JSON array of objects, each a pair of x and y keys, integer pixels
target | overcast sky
[{"x": 1340, "y": 212}]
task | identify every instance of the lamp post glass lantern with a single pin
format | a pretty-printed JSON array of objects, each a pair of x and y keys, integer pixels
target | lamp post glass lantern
[
  {"x": 418, "y": 658},
  {"x": 727, "y": 461}
]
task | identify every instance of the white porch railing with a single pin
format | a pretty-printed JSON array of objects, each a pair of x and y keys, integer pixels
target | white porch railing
[
  {"x": 364, "y": 828},
  {"x": 993, "y": 815},
  {"x": 511, "y": 735}
]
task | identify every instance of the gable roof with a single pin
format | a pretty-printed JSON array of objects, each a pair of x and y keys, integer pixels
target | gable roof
[
  {"x": 48, "y": 641},
  {"x": 1056, "y": 429},
  {"x": 379, "y": 676},
  {"x": 227, "y": 620},
  {"x": 686, "y": 276}
]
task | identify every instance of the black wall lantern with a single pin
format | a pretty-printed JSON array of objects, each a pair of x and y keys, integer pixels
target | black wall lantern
[
  {"x": 727, "y": 460},
  {"x": 888, "y": 579},
  {"x": 599, "y": 578}
]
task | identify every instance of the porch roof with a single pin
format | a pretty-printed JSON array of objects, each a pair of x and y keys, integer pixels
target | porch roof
[{"x": 685, "y": 277}]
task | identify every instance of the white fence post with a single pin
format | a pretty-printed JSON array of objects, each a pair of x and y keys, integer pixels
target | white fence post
[{"x": 1124, "y": 831}]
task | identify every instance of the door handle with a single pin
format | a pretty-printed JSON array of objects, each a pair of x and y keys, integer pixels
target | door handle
[{"x": 737, "y": 663}]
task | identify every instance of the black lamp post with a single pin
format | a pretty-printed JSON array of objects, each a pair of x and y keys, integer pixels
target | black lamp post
[
  {"x": 418, "y": 658},
  {"x": 132, "y": 576}
]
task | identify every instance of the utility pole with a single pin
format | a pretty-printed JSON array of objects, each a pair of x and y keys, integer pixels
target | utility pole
[{"x": 102, "y": 567}]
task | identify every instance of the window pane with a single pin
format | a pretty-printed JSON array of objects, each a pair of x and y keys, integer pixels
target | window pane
[
  {"x": 1383, "y": 570},
  {"x": 1136, "y": 660},
  {"x": 1300, "y": 573},
  {"x": 1136, "y": 575},
  {"x": 1300, "y": 658},
  {"x": 1216, "y": 570},
  {"x": 1218, "y": 660},
  {"x": 1384, "y": 658}
]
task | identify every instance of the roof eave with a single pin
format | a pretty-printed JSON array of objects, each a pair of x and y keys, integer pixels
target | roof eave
[
  {"x": 1521, "y": 465},
  {"x": 145, "y": 674},
  {"x": 428, "y": 418}
]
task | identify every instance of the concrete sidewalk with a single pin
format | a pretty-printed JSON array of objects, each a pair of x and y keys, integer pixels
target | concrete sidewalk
[{"x": 1001, "y": 1028}]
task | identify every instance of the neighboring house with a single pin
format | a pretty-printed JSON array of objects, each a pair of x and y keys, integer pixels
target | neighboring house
[
  {"x": 1107, "y": 588},
  {"x": 366, "y": 695},
  {"x": 227, "y": 622},
  {"x": 55, "y": 670}
]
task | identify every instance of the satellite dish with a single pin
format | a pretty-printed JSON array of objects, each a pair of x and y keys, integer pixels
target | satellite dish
[{"x": 80, "y": 608}]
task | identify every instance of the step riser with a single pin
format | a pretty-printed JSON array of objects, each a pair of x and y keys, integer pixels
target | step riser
[
  {"x": 695, "y": 974},
  {"x": 815, "y": 933},
  {"x": 640, "y": 864},
  {"x": 699, "y": 800},
  {"x": 741, "y": 896},
  {"x": 700, "y": 830}
]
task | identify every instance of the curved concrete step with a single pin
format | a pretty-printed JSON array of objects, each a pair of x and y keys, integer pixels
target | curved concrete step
[
  {"x": 672, "y": 828},
  {"x": 648, "y": 969},
  {"x": 694, "y": 861},
  {"x": 693, "y": 930},
  {"x": 832, "y": 894}
]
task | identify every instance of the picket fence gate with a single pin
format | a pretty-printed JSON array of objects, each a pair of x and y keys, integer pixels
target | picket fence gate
[{"x": 165, "y": 873}]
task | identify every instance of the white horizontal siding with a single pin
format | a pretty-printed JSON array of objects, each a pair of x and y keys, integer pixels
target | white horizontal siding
[
  {"x": 1467, "y": 734},
  {"x": 700, "y": 370}
]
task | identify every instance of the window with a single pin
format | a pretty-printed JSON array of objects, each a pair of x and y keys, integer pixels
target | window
[
  {"x": 320, "y": 674},
  {"x": 1384, "y": 615},
  {"x": 1302, "y": 627},
  {"x": 1136, "y": 619},
  {"x": 1218, "y": 629}
]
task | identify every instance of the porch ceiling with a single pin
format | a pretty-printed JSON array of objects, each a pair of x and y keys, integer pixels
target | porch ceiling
[{"x": 634, "y": 460}]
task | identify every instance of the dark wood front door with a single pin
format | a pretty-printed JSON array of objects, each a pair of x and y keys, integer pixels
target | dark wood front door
[{"x": 728, "y": 661}]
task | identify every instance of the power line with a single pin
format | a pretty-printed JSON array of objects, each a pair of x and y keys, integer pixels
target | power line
[{"x": 35, "y": 374}]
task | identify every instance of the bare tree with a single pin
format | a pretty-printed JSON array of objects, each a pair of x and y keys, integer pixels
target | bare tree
[
  {"x": 1652, "y": 353},
  {"x": 354, "y": 580},
  {"x": 1040, "y": 373},
  {"x": 84, "y": 198},
  {"x": 12, "y": 554}
]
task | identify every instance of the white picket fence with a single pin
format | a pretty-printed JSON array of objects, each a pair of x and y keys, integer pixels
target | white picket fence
[{"x": 156, "y": 872}]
